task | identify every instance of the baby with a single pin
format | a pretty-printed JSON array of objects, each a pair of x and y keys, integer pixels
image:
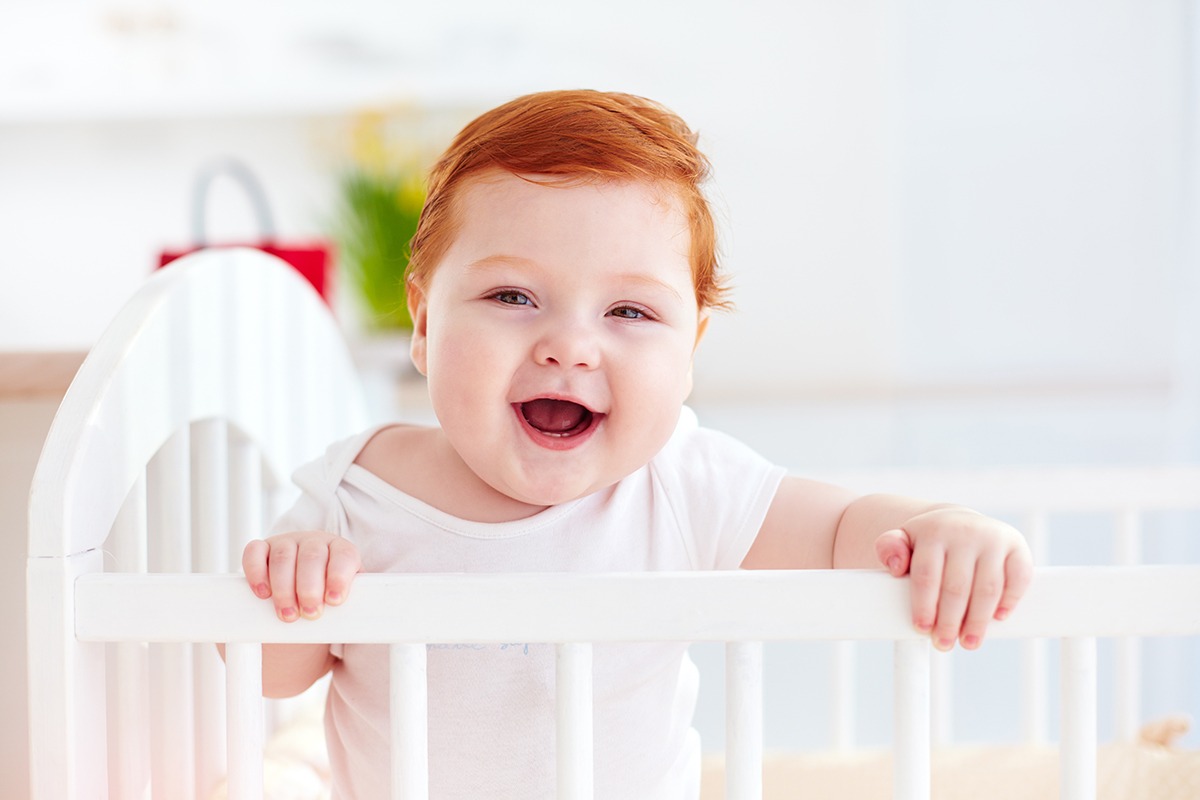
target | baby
[{"x": 561, "y": 278}]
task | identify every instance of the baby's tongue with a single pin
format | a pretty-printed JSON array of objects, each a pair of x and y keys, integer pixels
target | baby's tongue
[{"x": 553, "y": 416}]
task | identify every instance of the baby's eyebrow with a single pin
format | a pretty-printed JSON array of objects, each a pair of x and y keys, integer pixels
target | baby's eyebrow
[
  {"x": 650, "y": 283},
  {"x": 500, "y": 260}
]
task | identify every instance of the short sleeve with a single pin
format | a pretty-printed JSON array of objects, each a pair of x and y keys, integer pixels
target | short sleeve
[
  {"x": 317, "y": 507},
  {"x": 719, "y": 489}
]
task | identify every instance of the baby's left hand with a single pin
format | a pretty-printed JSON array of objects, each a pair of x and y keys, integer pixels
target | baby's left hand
[{"x": 966, "y": 570}]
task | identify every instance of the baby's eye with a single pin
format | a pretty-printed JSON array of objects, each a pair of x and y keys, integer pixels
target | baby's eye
[
  {"x": 512, "y": 297},
  {"x": 628, "y": 312}
]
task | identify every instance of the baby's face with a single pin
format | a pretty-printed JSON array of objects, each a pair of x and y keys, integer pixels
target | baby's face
[{"x": 557, "y": 333}]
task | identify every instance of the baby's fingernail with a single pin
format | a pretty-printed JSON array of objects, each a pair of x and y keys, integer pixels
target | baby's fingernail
[
  {"x": 333, "y": 597},
  {"x": 1002, "y": 613},
  {"x": 970, "y": 642},
  {"x": 287, "y": 614},
  {"x": 944, "y": 644},
  {"x": 262, "y": 590},
  {"x": 923, "y": 627},
  {"x": 894, "y": 563}
]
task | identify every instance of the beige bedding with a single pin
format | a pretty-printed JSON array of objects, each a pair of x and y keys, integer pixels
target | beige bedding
[
  {"x": 1154, "y": 768},
  {"x": 1150, "y": 769}
]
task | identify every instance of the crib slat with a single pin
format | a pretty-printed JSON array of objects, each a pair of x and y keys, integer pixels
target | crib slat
[
  {"x": 743, "y": 720},
  {"x": 63, "y": 735},
  {"x": 1035, "y": 692},
  {"x": 246, "y": 513},
  {"x": 244, "y": 710},
  {"x": 1127, "y": 674},
  {"x": 844, "y": 663},
  {"x": 941, "y": 667},
  {"x": 573, "y": 700},
  {"x": 129, "y": 743},
  {"x": 410, "y": 725},
  {"x": 911, "y": 750},
  {"x": 210, "y": 536},
  {"x": 172, "y": 754},
  {"x": 1078, "y": 748}
]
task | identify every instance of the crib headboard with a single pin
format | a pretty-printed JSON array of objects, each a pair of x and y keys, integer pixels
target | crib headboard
[{"x": 225, "y": 356}]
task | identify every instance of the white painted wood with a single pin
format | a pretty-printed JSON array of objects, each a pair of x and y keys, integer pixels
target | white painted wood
[
  {"x": 573, "y": 706},
  {"x": 911, "y": 765},
  {"x": 1127, "y": 668},
  {"x": 171, "y": 670},
  {"x": 128, "y": 667},
  {"x": 751, "y": 605},
  {"x": 844, "y": 665},
  {"x": 209, "y": 468},
  {"x": 206, "y": 308},
  {"x": 941, "y": 698},
  {"x": 161, "y": 365},
  {"x": 66, "y": 686},
  {"x": 247, "y": 515},
  {"x": 245, "y": 713},
  {"x": 1035, "y": 689},
  {"x": 1077, "y": 750},
  {"x": 1035, "y": 692},
  {"x": 743, "y": 720},
  {"x": 409, "y": 699}
]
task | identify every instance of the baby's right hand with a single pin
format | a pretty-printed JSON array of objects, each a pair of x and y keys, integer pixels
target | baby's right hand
[{"x": 302, "y": 572}]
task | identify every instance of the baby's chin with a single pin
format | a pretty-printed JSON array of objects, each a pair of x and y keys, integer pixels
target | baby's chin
[{"x": 546, "y": 496}]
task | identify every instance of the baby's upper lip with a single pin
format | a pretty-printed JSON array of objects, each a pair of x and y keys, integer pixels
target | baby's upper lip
[{"x": 567, "y": 398}]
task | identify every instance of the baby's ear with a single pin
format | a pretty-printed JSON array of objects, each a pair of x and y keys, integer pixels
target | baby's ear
[
  {"x": 418, "y": 350},
  {"x": 701, "y": 327}
]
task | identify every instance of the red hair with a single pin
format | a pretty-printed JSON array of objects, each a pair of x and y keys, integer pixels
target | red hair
[{"x": 576, "y": 135}]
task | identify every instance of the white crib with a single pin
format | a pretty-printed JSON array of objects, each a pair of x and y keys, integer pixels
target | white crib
[{"x": 173, "y": 447}]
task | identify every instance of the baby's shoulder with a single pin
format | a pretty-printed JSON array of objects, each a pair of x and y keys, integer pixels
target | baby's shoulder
[{"x": 394, "y": 450}]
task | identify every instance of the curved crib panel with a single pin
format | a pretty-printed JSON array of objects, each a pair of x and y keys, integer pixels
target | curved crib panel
[{"x": 220, "y": 375}]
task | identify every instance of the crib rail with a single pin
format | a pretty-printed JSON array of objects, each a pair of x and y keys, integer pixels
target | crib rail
[
  {"x": 691, "y": 606},
  {"x": 743, "y": 609}
]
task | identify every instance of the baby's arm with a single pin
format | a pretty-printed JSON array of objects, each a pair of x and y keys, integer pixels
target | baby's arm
[
  {"x": 301, "y": 573},
  {"x": 966, "y": 568}
]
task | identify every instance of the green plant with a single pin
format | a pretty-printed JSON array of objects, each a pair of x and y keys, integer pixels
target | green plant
[{"x": 377, "y": 217}]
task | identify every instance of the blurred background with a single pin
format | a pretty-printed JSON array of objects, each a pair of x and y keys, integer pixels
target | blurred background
[
  {"x": 942, "y": 220},
  {"x": 960, "y": 234}
]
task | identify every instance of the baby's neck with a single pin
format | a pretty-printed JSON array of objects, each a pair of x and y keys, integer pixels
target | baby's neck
[{"x": 421, "y": 463}]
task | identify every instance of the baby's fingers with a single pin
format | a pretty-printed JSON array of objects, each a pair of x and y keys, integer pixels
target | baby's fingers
[
  {"x": 344, "y": 564},
  {"x": 985, "y": 594},
  {"x": 254, "y": 565},
  {"x": 957, "y": 579},
  {"x": 1018, "y": 572},
  {"x": 312, "y": 558},
  {"x": 894, "y": 550},
  {"x": 281, "y": 567},
  {"x": 925, "y": 576}
]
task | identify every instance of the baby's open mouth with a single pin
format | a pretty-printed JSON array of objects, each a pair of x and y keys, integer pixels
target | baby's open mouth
[{"x": 556, "y": 417}]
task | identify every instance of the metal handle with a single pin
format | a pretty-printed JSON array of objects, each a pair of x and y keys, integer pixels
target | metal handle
[{"x": 244, "y": 177}]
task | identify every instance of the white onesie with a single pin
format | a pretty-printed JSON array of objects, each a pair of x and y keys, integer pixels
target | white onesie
[{"x": 696, "y": 506}]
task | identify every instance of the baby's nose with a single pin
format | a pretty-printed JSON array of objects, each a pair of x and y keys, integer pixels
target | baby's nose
[{"x": 567, "y": 346}]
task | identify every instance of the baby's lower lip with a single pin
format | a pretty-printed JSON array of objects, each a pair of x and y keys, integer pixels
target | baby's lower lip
[{"x": 559, "y": 441}]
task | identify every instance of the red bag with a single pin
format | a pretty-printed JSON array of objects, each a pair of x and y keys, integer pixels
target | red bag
[{"x": 311, "y": 259}]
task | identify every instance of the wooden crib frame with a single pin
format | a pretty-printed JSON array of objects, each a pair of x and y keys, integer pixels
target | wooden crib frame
[{"x": 225, "y": 372}]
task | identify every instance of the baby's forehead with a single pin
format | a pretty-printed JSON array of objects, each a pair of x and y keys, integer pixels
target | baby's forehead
[{"x": 660, "y": 191}]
